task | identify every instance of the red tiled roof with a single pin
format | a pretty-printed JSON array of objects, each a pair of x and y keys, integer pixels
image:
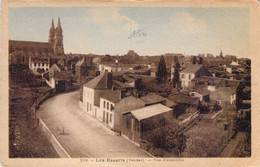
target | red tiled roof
[
  {"x": 121, "y": 84},
  {"x": 202, "y": 91},
  {"x": 29, "y": 43},
  {"x": 152, "y": 98},
  {"x": 63, "y": 75},
  {"x": 97, "y": 82},
  {"x": 113, "y": 96},
  {"x": 129, "y": 103},
  {"x": 184, "y": 99},
  {"x": 192, "y": 68}
]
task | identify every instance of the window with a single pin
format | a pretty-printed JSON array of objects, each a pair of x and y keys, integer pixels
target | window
[
  {"x": 110, "y": 118},
  {"x": 35, "y": 64},
  {"x": 111, "y": 107},
  {"x": 107, "y": 105},
  {"x": 183, "y": 76},
  {"x": 127, "y": 122},
  {"x": 42, "y": 64},
  {"x": 87, "y": 106},
  {"x": 137, "y": 127},
  {"x": 39, "y": 64},
  {"x": 104, "y": 105},
  {"x": 189, "y": 76},
  {"x": 47, "y": 69}
]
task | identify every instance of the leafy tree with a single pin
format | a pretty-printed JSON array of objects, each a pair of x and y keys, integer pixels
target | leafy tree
[
  {"x": 107, "y": 58},
  {"x": 130, "y": 58},
  {"x": 193, "y": 60},
  {"x": 168, "y": 139},
  {"x": 161, "y": 71},
  {"x": 248, "y": 62}
]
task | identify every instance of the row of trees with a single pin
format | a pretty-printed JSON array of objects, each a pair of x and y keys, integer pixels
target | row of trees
[
  {"x": 196, "y": 60},
  {"x": 162, "y": 72}
]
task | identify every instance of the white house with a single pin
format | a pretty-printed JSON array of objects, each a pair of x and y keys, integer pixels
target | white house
[{"x": 191, "y": 72}]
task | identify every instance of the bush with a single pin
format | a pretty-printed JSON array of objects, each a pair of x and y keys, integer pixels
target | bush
[{"x": 169, "y": 140}]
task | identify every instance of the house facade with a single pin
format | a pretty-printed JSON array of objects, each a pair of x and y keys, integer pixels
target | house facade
[
  {"x": 101, "y": 96},
  {"x": 82, "y": 68},
  {"x": 191, "y": 72}
]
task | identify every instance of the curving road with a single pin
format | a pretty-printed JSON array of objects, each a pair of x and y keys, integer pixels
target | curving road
[{"x": 83, "y": 135}]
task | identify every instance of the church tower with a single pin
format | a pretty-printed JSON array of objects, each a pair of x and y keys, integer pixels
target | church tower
[
  {"x": 58, "y": 40},
  {"x": 51, "y": 35}
]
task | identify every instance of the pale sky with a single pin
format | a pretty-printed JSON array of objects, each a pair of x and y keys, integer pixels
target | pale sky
[{"x": 107, "y": 30}]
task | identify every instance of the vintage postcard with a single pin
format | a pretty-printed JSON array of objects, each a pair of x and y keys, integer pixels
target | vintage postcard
[{"x": 130, "y": 83}]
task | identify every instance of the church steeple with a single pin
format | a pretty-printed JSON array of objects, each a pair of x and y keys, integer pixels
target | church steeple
[
  {"x": 59, "y": 23},
  {"x": 58, "y": 44},
  {"x": 52, "y": 33},
  {"x": 58, "y": 28},
  {"x": 52, "y": 24}
]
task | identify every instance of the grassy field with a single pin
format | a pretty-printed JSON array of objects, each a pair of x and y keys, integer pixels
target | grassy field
[{"x": 26, "y": 140}]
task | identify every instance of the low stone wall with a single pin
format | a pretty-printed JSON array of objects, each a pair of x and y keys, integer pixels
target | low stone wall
[
  {"x": 55, "y": 143},
  {"x": 50, "y": 136}
]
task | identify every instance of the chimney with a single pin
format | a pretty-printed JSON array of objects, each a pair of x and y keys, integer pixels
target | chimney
[
  {"x": 109, "y": 80},
  {"x": 122, "y": 94},
  {"x": 113, "y": 88},
  {"x": 226, "y": 83}
]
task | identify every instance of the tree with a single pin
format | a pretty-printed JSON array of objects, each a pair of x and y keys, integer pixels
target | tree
[
  {"x": 221, "y": 55},
  {"x": 248, "y": 62},
  {"x": 161, "y": 71},
  {"x": 176, "y": 74},
  {"x": 193, "y": 60},
  {"x": 107, "y": 58},
  {"x": 168, "y": 139},
  {"x": 200, "y": 60}
]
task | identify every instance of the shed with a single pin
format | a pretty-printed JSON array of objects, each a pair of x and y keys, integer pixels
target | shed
[{"x": 144, "y": 120}]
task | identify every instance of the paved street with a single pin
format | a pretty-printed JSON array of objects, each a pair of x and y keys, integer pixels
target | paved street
[{"x": 84, "y": 136}]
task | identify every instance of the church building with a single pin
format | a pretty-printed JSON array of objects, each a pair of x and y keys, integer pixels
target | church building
[{"x": 39, "y": 56}]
